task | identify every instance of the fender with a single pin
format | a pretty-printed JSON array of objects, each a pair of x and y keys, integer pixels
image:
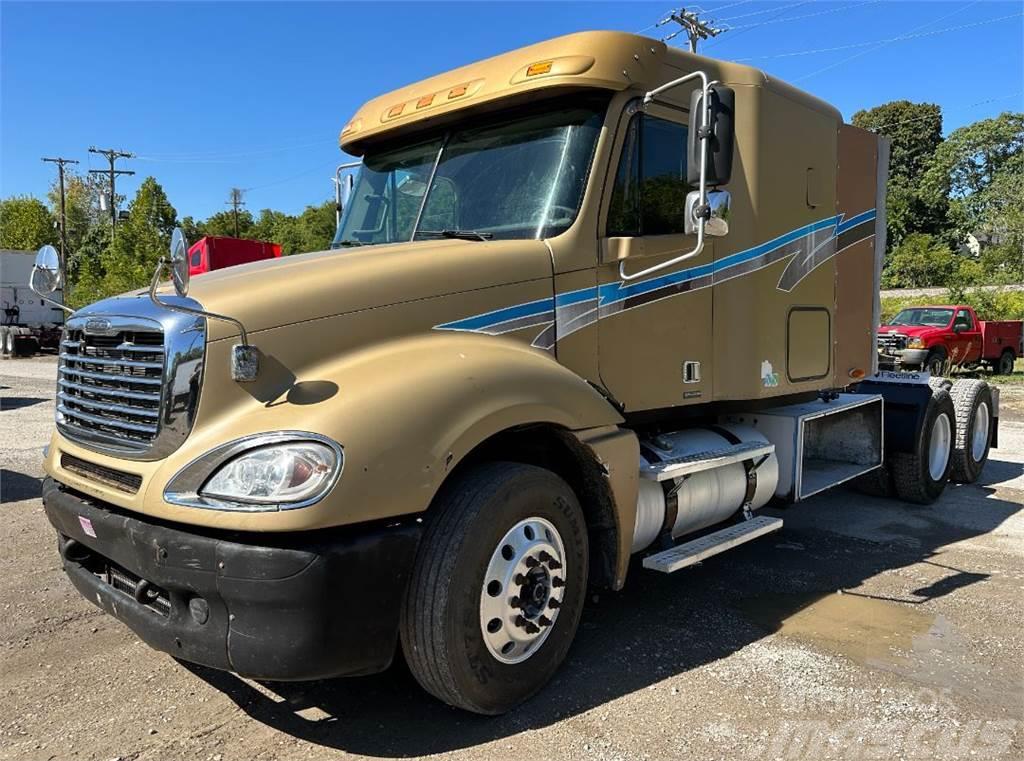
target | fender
[{"x": 406, "y": 411}]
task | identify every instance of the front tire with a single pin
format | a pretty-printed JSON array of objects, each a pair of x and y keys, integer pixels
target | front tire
[
  {"x": 935, "y": 362},
  {"x": 972, "y": 400},
  {"x": 920, "y": 476},
  {"x": 478, "y": 627}
]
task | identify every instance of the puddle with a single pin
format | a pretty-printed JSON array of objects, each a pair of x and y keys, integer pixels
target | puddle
[{"x": 861, "y": 628}]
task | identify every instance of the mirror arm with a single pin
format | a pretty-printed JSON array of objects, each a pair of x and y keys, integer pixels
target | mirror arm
[
  {"x": 46, "y": 298},
  {"x": 188, "y": 310},
  {"x": 702, "y": 205}
]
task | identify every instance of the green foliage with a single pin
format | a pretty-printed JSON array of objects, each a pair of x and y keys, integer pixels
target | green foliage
[
  {"x": 920, "y": 261},
  {"x": 990, "y": 304},
  {"x": 26, "y": 224}
]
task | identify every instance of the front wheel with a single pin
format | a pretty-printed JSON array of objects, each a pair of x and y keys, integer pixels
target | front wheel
[
  {"x": 935, "y": 363},
  {"x": 498, "y": 587}
]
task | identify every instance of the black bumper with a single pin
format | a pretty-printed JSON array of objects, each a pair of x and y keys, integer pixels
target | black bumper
[{"x": 266, "y": 606}]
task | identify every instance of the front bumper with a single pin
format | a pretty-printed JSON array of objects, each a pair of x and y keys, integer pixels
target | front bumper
[
  {"x": 273, "y": 606},
  {"x": 894, "y": 359}
]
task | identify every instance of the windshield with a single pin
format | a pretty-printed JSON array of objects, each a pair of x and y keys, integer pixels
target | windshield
[
  {"x": 520, "y": 177},
  {"x": 933, "y": 318}
]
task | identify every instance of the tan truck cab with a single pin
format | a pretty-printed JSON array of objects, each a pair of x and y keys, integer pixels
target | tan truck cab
[{"x": 590, "y": 298}]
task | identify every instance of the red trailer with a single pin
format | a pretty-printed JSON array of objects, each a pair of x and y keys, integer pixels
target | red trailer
[{"x": 215, "y": 253}]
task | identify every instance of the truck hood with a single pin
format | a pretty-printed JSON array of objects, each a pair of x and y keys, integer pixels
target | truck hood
[
  {"x": 912, "y": 331},
  {"x": 277, "y": 292}
]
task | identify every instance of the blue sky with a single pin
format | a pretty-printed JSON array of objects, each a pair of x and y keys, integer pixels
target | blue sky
[{"x": 215, "y": 95}]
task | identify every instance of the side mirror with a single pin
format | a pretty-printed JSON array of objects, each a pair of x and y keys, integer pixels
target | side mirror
[
  {"x": 720, "y": 140},
  {"x": 959, "y": 328},
  {"x": 718, "y": 206},
  {"x": 179, "y": 262},
  {"x": 45, "y": 277}
]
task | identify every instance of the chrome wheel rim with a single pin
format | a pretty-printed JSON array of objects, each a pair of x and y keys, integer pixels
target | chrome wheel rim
[
  {"x": 979, "y": 432},
  {"x": 938, "y": 448},
  {"x": 523, "y": 589}
]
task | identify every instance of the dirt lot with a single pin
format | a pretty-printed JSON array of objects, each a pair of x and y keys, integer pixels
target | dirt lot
[{"x": 866, "y": 629}]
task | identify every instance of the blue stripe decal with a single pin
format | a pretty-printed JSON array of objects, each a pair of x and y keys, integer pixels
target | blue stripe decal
[{"x": 608, "y": 298}]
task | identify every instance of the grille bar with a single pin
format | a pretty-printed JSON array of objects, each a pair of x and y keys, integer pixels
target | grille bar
[
  {"x": 120, "y": 347},
  {"x": 123, "y": 409},
  {"x": 100, "y": 420},
  {"x": 118, "y": 393},
  {"x": 126, "y": 482},
  {"x": 142, "y": 380},
  {"x": 88, "y": 359}
]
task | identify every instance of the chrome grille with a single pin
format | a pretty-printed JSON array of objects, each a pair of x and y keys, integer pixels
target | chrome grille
[
  {"x": 110, "y": 385},
  {"x": 889, "y": 342},
  {"x": 130, "y": 375}
]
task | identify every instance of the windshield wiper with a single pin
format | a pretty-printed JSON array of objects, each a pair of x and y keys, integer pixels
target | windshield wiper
[{"x": 457, "y": 234}]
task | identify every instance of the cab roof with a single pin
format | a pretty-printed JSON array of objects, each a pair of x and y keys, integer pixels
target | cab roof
[{"x": 603, "y": 60}]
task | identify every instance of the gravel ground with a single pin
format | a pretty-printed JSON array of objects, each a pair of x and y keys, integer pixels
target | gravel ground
[{"x": 865, "y": 629}]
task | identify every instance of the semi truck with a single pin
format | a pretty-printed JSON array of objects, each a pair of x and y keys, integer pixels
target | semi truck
[
  {"x": 28, "y": 322},
  {"x": 939, "y": 337},
  {"x": 593, "y": 304}
]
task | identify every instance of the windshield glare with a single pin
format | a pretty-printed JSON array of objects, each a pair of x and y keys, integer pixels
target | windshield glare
[
  {"x": 934, "y": 318},
  {"x": 510, "y": 178}
]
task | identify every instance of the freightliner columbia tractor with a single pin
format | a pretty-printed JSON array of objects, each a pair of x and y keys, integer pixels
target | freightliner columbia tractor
[{"x": 589, "y": 300}]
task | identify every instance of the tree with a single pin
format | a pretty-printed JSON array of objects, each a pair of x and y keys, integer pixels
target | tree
[
  {"x": 223, "y": 223},
  {"x": 915, "y": 130},
  {"x": 919, "y": 261},
  {"x": 139, "y": 241},
  {"x": 26, "y": 224}
]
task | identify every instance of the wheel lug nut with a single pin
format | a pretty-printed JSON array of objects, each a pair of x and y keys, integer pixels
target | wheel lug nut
[
  {"x": 544, "y": 556},
  {"x": 544, "y": 621},
  {"x": 554, "y": 604},
  {"x": 557, "y": 582},
  {"x": 515, "y": 602},
  {"x": 521, "y": 621},
  {"x": 531, "y": 562},
  {"x": 519, "y": 579},
  {"x": 532, "y": 628},
  {"x": 554, "y": 565}
]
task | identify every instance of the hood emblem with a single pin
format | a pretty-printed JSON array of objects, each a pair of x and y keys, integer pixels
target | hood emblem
[{"x": 98, "y": 326}]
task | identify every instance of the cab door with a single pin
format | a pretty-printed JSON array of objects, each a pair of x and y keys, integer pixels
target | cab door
[
  {"x": 655, "y": 340},
  {"x": 966, "y": 343}
]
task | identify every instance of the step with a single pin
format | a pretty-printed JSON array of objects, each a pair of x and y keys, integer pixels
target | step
[
  {"x": 683, "y": 555},
  {"x": 677, "y": 467}
]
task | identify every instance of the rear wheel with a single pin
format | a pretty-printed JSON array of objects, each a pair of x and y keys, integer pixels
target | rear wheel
[
  {"x": 5, "y": 348},
  {"x": 1004, "y": 366},
  {"x": 497, "y": 589},
  {"x": 920, "y": 476},
  {"x": 972, "y": 400}
]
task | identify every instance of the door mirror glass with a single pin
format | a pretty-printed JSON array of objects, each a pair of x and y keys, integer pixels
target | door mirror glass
[
  {"x": 720, "y": 142},
  {"x": 45, "y": 277},
  {"x": 179, "y": 262},
  {"x": 717, "y": 213}
]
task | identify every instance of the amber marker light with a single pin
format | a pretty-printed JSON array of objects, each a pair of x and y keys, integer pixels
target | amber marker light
[
  {"x": 542, "y": 67},
  {"x": 857, "y": 373}
]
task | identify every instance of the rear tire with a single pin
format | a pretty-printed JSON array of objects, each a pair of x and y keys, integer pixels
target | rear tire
[
  {"x": 1004, "y": 366},
  {"x": 972, "y": 400},
  {"x": 5, "y": 349},
  {"x": 877, "y": 483},
  {"x": 477, "y": 574},
  {"x": 920, "y": 476}
]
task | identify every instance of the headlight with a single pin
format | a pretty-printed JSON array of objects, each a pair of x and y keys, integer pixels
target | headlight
[
  {"x": 294, "y": 472},
  {"x": 915, "y": 343},
  {"x": 272, "y": 471}
]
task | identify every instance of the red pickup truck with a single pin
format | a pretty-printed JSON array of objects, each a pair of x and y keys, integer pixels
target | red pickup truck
[
  {"x": 935, "y": 338},
  {"x": 216, "y": 252}
]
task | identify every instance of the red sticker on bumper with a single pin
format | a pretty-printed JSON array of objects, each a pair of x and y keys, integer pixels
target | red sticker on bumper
[{"x": 87, "y": 526}]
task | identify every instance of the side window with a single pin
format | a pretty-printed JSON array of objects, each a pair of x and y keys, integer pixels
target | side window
[
  {"x": 197, "y": 257},
  {"x": 963, "y": 317},
  {"x": 650, "y": 188}
]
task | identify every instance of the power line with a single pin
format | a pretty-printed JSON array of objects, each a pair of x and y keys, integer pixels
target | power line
[
  {"x": 61, "y": 162},
  {"x": 878, "y": 127},
  {"x": 764, "y": 10},
  {"x": 900, "y": 38},
  {"x": 112, "y": 156},
  {"x": 215, "y": 156},
  {"x": 836, "y": 64},
  {"x": 751, "y": 27}
]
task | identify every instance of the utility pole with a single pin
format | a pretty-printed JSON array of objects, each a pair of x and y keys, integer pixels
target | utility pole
[
  {"x": 60, "y": 162},
  {"x": 690, "y": 23},
  {"x": 234, "y": 201},
  {"x": 112, "y": 156}
]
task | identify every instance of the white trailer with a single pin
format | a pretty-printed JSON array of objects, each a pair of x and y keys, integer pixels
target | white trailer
[{"x": 27, "y": 322}]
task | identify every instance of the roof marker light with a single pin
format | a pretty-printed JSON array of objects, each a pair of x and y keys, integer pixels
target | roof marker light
[{"x": 541, "y": 67}]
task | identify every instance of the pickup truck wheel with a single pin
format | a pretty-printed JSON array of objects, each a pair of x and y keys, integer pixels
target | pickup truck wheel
[
  {"x": 1005, "y": 364},
  {"x": 935, "y": 362},
  {"x": 920, "y": 476},
  {"x": 498, "y": 587},
  {"x": 972, "y": 400}
]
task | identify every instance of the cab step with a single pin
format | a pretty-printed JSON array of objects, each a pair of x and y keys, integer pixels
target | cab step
[
  {"x": 677, "y": 467},
  {"x": 687, "y": 554}
]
